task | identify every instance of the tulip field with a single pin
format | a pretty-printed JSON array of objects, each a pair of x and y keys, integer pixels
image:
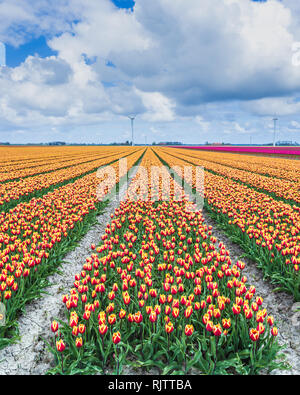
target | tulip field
[
  {"x": 35, "y": 234},
  {"x": 157, "y": 291},
  {"x": 265, "y": 224}
]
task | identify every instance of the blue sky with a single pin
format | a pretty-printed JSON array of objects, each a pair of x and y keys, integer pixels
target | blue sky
[
  {"x": 38, "y": 45},
  {"x": 17, "y": 55},
  {"x": 124, "y": 3},
  {"x": 216, "y": 72}
]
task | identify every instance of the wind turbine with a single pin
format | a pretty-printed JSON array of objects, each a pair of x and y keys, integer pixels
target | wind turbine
[
  {"x": 274, "y": 119},
  {"x": 132, "y": 118}
]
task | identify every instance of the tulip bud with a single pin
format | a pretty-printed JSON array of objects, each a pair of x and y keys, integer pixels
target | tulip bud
[
  {"x": 162, "y": 299},
  {"x": 86, "y": 315},
  {"x": 81, "y": 328},
  {"x": 111, "y": 319},
  {"x": 217, "y": 330},
  {"x": 116, "y": 337},
  {"x": 122, "y": 314},
  {"x": 54, "y": 326},
  {"x": 138, "y": 318},
  {"x": 260, "y": 327},
  {"x": 60, "y": 346},
  {"x": 226, "y": 323},
  {"x": 188, "y": 312},
  {"x": 79, "y": 342},
  {"x": 259, "y": 300},
  {"x": 236, "y": 309},
  {"x": 254, "y": 334},
  {"x": 169, "y": 327},
  {"x": 130, "y": 317},
  {"x": 153, "y": 316},
  {"x": 248, "y": 314},
  {"x": 274, "y": 331},
  {"x": 175, "y": 312},
  {"x": 209, "y": 326},
  {"x": 188, "y": 330},
  {"x": 102, "y": 329},
  {"x": 168, "y": 310}
]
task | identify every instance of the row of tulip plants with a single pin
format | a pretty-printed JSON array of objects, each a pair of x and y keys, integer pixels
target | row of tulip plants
[
  {"x": 272, "y": 152},
  {"x": 159, "y": 292},
  {"x": 51, "y": 160},
  {"x": 279, "y": 189},
  {"x": 18, "y": 172},
  {"x": 14, "y": 157},
  {"x": 279, "y": 168},
  {"x": 36, "y": 235},
  {"x": 15, "y": 192},
  {"x": 266, "y": 229}
]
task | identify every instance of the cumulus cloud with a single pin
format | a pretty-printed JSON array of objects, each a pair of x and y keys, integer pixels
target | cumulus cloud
[
  {"x": 158, "y": 107},
  {"x": 295, "y": 125},
  {"x": 194, "y": 54},
  {"x": 165, "y": 61},
  {"x": 21, "y": 20},
  {"x": 102, "y": 29},
  {"x": 203, "y": 124},
  {"x": 221, "y": 50},
  {"x": 279, "y": 106},
  {"x": 50, "y": 71}
]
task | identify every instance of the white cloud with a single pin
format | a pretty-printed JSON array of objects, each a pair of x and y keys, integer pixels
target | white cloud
[
  {"x": 102, "y": 29},
  {"x": 279, "y": 106},
  {"x": 22, "y": 19},
  {"x": 234, "y": 128},
  {"x": 218, "y": 51},
  {"x": 51, "y": 71},
  {"x": 158, "y": 107},
  {"x": 204, "y": 125},
  {"x": 295, "y": 125}
]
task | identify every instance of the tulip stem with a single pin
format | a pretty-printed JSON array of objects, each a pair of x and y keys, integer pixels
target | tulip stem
[
  {"x": 254, "y": 353},
  {"x": 142, "y": 337},
  {"x": 62, "y": 363},
  {"x": 103, "y": 362},
  {"x": 185, "y": 354},
  {"x": 216, "y": 352}
]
